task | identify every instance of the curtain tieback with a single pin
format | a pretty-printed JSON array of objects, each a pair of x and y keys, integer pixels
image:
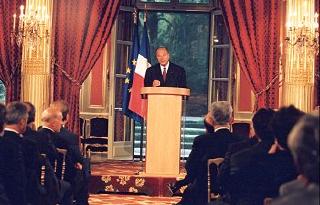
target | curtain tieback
[{"x": 65, "y": 73}]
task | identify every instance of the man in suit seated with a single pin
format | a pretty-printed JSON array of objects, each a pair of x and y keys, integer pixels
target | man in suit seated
[
  {"x": 49, "y": 142},
  {"x": 304, "y": 145},
  {"x": 206, "y": 147},
  {"x": 3, "y": 196},
  {"x": 13, "y": 171},
  {"x": 75, "y": 173},
  {"x": 191, "y": 164},
  {"x": 165, "y": 73},
  {"x": 240, "y": 175}
]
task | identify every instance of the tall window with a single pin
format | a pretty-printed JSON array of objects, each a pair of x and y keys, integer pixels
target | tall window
[
  {"x": 187, "y": 37},
  {"x": 221, "y": 71},
  {"x": 195, "y": 34},
  {"x": 2, "y": 92}
]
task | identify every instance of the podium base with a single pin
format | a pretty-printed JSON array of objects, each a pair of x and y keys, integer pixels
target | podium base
[{"x": 177, "y": 176}]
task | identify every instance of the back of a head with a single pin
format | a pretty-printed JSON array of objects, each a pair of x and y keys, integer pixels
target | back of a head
[
  {"x": 2, "y": 116},
  {"x": 50, "y": 114},
  {"x": 62, "y": 106},
  {"x": 283, "y": 122},
  {"x": 221, "y": 112},
  {"x": 31, "y": 112},
  {"x": 304, "y": 144},
  {"x": 15, "y": 111},
  {"x": 261, "y": 124}
]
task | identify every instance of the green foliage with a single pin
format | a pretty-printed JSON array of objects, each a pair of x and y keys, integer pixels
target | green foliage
[{"x": 187, "y": 37}]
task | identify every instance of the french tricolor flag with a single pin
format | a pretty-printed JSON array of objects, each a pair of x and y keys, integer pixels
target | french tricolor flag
[{"x": 137, "y": 104}]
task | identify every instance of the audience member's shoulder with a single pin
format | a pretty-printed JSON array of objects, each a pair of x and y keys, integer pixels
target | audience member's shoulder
[{"x": 200, "y": 137}]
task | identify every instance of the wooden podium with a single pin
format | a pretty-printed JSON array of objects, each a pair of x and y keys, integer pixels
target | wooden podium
[{"x": 163, "y": 129}]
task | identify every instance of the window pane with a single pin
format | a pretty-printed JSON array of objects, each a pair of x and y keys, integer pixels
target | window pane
[
  {"x": 220, "y": 31},
  {"x": 221, "y": 62},
  {"x": 123, "y": 52},
  {"x": 194, "y": 1},
  {"x": 187, "y": 37},
  {"x": 2, "y": 92},
  {"x": 220, "y": 91},
  {"x": 157, "y": 1},
  {"x": 125, "y": 23}
]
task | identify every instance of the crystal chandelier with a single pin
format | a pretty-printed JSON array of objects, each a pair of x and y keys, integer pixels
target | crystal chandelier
[
  {"x": 303, "y": 28},
  {"x": 30, "y": 27}
]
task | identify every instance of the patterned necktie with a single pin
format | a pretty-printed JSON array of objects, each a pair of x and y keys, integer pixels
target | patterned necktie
[{"x": 164, "y": 74}]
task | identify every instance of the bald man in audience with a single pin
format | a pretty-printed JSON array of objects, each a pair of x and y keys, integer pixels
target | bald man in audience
[
  {"x": 49, "y": 142},
  {"x": 75, "y": 172},
  {"x": 12, "y": 160}
]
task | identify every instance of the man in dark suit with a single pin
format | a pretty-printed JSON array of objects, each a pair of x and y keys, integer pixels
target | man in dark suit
[
  {"x": 49, "y": 142},
  {"x": 206, "y": 147},
  {"x": 75, "y": 171},
  {"x": 3, "y": 196},
  {"x": 304, "y": 145},
  {"x": 12, "y": 160},
  {"x": 241, "y": 175},
  {"x": 165, "y": 73},
  {"x": 192, "y": 164}
]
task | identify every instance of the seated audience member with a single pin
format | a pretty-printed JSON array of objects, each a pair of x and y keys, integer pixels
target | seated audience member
[
  {"x": 280, "y": 162},
  {"x": 206, "y": 147},
  {"x": 243, "y": 177},
  {"x": 13, "y": 170},
  {"x": 192, "y": 165},
  {"x": 304, "y": 145},
  {"x": 75, "y": 173},
  {"x": 35, "y": 192},
  {"x": 3, "y": 197},
  {"x": 49, "y": 142}
]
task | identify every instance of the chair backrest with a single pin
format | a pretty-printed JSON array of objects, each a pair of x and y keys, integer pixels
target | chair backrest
[
  {"x": 60, "y": 163},
  {"x": 98, "y": 127},
  {"x": 213, "y": 171},
  {"x": 241, "y": 129},
  {"x": 82, "y": 127}
]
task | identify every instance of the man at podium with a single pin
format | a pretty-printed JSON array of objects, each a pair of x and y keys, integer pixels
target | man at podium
[{"x": 165, "y": 73}]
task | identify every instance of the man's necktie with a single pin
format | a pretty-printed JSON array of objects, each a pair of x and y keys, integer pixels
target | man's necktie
[{"x": 164, "y": 74}]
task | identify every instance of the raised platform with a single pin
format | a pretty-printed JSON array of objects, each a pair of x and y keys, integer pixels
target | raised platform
[{"x": 116, "y": 176}]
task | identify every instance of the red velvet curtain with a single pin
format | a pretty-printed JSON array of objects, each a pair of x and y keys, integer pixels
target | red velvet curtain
[
  {"x": 81, "y": 29},
  {"x": 10, "y": 53},
  {"x": 254, "y": 28}
]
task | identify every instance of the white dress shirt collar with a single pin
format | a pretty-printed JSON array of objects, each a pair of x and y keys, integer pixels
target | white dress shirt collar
[
  {"x": 12, "y": 130},
  {"x": 167, "y": 67},
  {"x": 48, "y": 128}
]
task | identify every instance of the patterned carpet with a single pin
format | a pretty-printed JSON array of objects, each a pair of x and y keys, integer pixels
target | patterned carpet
[
  {"x": 117, "y": 167},
  {"x": 118, "y": 177},
  {"x": 114, "y": 199}
]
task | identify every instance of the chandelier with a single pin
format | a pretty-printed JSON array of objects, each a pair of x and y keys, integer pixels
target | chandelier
[
  {"x": 303, "y": 28},
  {"x": 30, "y": 27}
]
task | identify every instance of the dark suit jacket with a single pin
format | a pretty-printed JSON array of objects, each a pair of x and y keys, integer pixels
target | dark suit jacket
[
  {"x": 204, "y": 147},
  {"x": 249, "y": 176},
  {"x": 176, "y": 76},
  {"x": 3, "y": 196},
  {"x": 73, "y": 155},
  {"x": 13, "y": 168},
  {"x": 49, "y": 142}
]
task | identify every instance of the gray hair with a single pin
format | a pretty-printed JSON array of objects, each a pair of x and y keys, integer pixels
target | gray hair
[
  {"x": 15, "y": 112},
  {"x": 50, "y": 114},
  {"x": 221, "y": 112},
  {"x": 303, "y": 142}
]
